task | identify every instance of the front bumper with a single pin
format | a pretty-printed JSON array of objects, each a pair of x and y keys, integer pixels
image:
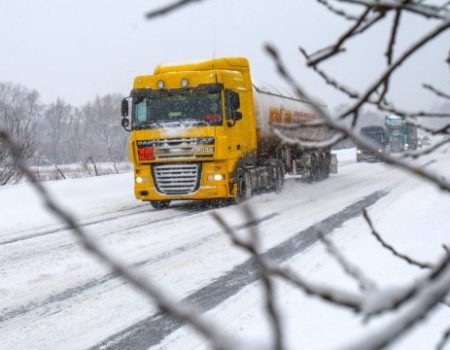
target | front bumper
[
  {"x": 146, "y": 187},
  {"x": 367, "y": 157}
]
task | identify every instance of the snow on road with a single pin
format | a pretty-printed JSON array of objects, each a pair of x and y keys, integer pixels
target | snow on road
[{"x": 60, "y": 297}]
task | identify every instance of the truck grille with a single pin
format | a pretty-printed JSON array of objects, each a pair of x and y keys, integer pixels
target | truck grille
[{"x": 176, "y": 178}]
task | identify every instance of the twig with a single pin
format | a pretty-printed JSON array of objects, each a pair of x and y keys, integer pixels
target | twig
[
  {"x": 323, "y": 54},
  {"x": 390, "y": 51},
  {"x": 169, "y": 8},
  {"x": 428, "y": 150},
  {"x": 337, "y": 11},
  {"x": 427, "y": 11},
  {"x": 389, "y": 247},
  {"x": 332, "y": 295},
  {"x": 388, "y": 72},
  {"x": 330, "y": 81},
  {"x": 436, "y": 91},
  {"x": 445, "y": 338},
  {"x": 393, "y": 36},
  {"x": 364, "y": 283},
  {"x": 251, "y": 246}
]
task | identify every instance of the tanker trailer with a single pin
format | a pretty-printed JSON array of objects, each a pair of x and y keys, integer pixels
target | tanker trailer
[
  {"x": 202, "y": 131},
  {"x": 275, "y": 108}
]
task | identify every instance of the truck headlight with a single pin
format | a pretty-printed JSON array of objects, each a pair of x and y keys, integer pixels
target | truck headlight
[
  {"x": 380, "y": 150},
  {"x": 141, "y": 180},
  {"x": 215, "y": 177},
  {"x": 358, "y": 151}
]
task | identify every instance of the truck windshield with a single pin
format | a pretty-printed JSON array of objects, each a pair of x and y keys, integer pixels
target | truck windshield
[
  {"x": 375, "y": 135},
  {"x": 158, "y": 111}
]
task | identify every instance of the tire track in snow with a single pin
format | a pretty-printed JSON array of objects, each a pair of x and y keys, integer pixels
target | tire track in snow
[
  {"x": 90, "y": 223},
  {"x": 50, "y": 303},
  {"x": 152, "y": 330}
]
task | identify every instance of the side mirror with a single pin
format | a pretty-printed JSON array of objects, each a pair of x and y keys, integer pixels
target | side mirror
[
  {"x": 124, "y": 108},
  {"x": 125, "y": 123},
  {"x": 233, "y": 103}
]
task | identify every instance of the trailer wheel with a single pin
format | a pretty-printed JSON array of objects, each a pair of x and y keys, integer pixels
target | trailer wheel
[
  {"x": 160, "y": 204},
  {"x": 279, "y": 178},
  {"x": 324, "y": 166},
  {"x": 244, "y": 187},
  {"x": 313, "y": 170}
]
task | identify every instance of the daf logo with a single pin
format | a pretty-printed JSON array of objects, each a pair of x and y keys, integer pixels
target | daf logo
[{"x": 203, "y": 149}]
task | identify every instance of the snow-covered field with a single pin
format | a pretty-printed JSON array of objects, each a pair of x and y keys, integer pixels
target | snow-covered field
[{"x": 54, "y": 295}]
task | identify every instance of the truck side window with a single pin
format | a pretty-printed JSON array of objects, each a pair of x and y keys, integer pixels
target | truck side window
[{"x": 141, "y": 111}]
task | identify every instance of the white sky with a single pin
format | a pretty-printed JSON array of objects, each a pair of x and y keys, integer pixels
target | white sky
[{"x": 79, "y": 49}]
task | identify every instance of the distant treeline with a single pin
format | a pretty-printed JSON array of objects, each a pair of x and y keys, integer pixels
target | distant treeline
[{"x": 59, "y": 133}]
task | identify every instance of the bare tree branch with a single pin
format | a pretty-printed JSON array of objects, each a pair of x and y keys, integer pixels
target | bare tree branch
[
  {"x": 394, "y": 31},
  {"x": 337, "y": 11},
  {"x": 169, "y": 8},
  {"x": 428, "y": 11},
  {"x": 389, "y": 247},
  {"x": 436, "y": 91},
  {"x": 251, "y": 246},
  {"x": 444, "y": 340},
  {"x": 392, "y": 68},
  {"x": 417, "y": 154},
  {"x": 364, "y": 283},
  {"x": 332, "y": 295},
  {"x": 328, "y": 52},
  {"x": 330, "y": 81},
  {"x": 427, "y": 298}
]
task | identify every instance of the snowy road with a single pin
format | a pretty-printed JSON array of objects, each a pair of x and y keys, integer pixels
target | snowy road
[{"x": 60, "y": 297}]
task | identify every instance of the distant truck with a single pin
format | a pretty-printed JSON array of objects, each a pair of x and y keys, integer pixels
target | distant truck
[
  {"x": 402, "y": 134},
  {"x": 379, "y": 139},
  {"x": 204, "y": 131}
]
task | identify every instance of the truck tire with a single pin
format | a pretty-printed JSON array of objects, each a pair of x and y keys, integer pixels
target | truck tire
[
  {"x": 160, "y": 204},
  {"x": 313, "y": 173},
  {"x": 279, "y": 178},
  {"x": 244, "y": 187},
  {"x": 324, "y": 166}
]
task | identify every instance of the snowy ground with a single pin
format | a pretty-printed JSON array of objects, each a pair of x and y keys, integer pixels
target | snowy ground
[{"x": 60, "y": 297}]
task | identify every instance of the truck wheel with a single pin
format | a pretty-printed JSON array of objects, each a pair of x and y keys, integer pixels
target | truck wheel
[
  {"x": 324, "y": 166},
  {"x": 313, "y": 170},
  {"x": 244, "y": 188},
  {"x": 327, "y": 165},
  {"x": 279, "y": 179},
  {"x": 160, "y": 204}
]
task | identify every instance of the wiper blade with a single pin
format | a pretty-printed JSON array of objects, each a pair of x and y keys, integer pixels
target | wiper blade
[{"x": 151, "y": 125}]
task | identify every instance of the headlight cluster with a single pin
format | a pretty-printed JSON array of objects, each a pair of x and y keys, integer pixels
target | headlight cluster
[
  {"x": 141, "y": 180},
  {"x": 216, "y": 177}
]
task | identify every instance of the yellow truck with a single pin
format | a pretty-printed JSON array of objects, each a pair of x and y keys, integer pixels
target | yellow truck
[{"x": 203, "y": 131}]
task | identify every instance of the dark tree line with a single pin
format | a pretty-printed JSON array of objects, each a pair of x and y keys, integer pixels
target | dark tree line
[{"x": 59, "y": 133}]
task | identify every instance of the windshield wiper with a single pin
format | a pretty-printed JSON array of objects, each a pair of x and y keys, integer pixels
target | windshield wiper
[{"x": 147, "y": 125}]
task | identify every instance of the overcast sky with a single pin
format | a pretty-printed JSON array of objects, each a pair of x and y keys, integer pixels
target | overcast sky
[{"x": 76, "y": 50}]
